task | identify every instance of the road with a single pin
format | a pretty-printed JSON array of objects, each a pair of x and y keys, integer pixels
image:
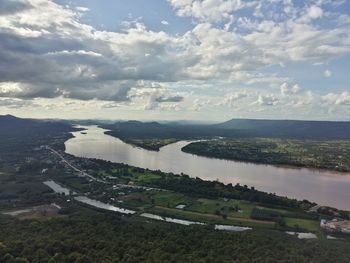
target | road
[
  {"x": 83, "y": 173},
  {"x": 72, "y": 166}
]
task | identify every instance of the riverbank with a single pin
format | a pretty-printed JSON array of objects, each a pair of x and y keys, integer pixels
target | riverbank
[
  {"x": 332, "y": 190},
  {"x": 192, "y": 199},
  {"x": 313, "y": 154},
  {"x": 147, "y": 144},
  {"x": 80, "y": 232}
]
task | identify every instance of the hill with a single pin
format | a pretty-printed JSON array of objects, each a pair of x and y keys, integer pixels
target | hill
[
  {"x": 234, "y": 128},
  {"x": 14, "y": 132}
]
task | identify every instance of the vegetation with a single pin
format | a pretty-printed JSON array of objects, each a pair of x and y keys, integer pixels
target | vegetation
[
  {"x": 312, "y": 225},
  {"x": 321, "y": 145},
  {"x": 26, "y": 134},
  {"x": 221, "y": 211},
  {"x": 213, "y": 189},
  {"x": 320, "y": 154},
  {"x": 149, "y": 144},
  {"x": 80, "y": 233},
  {"x": 184, "y": 184},
  {"x": 320, "y": 130},
  {"x": 89, "y": 236},
  {"x": 205, "y": 201}
]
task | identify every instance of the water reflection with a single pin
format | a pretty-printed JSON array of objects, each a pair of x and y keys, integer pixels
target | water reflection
[
  {"x": 171, "y": 220},
  {"x": 98, "y": 204},
  {"x": 324, "y": 188},
  {"x": 57, "y": 188},
  {"x": 302, "y": 235},
  {"x": 232, "y": 228}
]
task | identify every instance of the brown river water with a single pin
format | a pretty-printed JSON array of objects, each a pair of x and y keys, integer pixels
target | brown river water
[{"x": 322, "y": 187}]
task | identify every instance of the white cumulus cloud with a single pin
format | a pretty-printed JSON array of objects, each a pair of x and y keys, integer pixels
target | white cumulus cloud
[{"x": 327, "y": 73}]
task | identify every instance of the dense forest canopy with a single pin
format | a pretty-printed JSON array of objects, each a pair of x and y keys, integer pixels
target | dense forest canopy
[{"x": 79, "y": 233}]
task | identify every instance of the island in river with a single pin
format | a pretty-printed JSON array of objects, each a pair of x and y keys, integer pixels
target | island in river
[
  {"x": 310, "y": 144},
  {"x": 322, "y": 187}
]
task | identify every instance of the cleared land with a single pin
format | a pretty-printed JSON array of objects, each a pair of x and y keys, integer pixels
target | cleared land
[{"x": 36, "y": 212}]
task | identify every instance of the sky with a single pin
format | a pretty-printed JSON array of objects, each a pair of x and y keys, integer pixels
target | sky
[{"x": 208, "y": 60}]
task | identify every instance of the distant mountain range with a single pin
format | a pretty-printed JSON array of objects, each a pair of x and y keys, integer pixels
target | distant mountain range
[
  {"x": 13, "y": 126},
  {"x": 231, "y": 128},
  {"x": 234, "y": 128},
  {"x": 10, "y": 119}
]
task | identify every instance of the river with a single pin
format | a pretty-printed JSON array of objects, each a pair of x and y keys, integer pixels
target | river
[{"x": 322, "y": 187}]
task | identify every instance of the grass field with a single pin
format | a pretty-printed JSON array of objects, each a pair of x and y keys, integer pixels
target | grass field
[
  {"x": 211, "y": 211},
  {"x": 209, "y": 218},
  {"x": 144, "y": 177},
  {"x": 228, "y": 208},
  {"x": 168, "y": 199},
  {"x": 310, "y": 225},
  {"x": 278, "y": 210}
]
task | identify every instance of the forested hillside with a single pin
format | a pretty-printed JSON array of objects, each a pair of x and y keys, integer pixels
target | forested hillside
[{"x": 232, "y": 129}]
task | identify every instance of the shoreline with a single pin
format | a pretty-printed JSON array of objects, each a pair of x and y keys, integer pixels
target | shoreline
[
  {"x": 227, "y": 177},
  {"x": 285, "y": 166}
]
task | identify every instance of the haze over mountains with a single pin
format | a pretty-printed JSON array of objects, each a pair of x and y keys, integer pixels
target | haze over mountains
[
  {"x": 231, "y": 128},
  {"x": 234, "y": 128},
  {"x": 15, "y": 129}
]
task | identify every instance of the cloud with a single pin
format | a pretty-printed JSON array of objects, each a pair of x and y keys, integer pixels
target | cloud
[
  {"x": 57, "y": 55},
  {"x": 175, "y": 98},
  {"x": 164, "y": 22},
  {"x": 327, "y": 73},
  {"x": 151, "y": 95},
  {"x": 110, "y": 105},
  {"x": 198, "y": 104},
  {"x": 46, "y": 51},
  {"x": 82, "y": 9},
  {"x": 231, "y": 98},
  {"x": 207, "y": 10},
  {"x": 266, "y": 100},
  {"x": 15, "y": 103},
  {"x": 315, "y": 12},
  {"x": 337, "y": 99},
  {"x": 287, "y": 90},
  {"x": 9, "y": 88},
  {"x": 10, "y": 7}
]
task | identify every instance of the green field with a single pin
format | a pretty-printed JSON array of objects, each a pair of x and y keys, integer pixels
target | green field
[
  {"x": 206, "y": 204},
  {"x": 144, "y": 177},
  {"x": 215, "y": 210},
  {"x": 310, "y": 225},
  {"x": 233, "y": 208}
]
